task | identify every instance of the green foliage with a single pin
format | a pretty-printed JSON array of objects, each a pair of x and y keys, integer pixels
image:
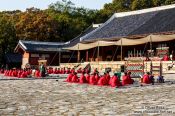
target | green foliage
[
  {"x": 7, "y": 35},
  {"x": 34, "y": 24}
]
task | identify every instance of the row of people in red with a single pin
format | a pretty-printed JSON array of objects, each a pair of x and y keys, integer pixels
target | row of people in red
[
  {"x": 60, "y": 71},
  {"x": 21, "y": 73},
  {"x": 65, "y": 71},
  {"x": 17, "y": 73},
  {"x": 104, "y": 80}
]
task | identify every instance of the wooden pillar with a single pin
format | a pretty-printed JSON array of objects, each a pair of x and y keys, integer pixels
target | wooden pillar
[
  {"x": 78, "y": 56},
  {"x": 151, "y": 46},
  {"x": 87, "y": 56},
  {"x": 98, "y": 53},
  {"x": 59, "y": 57},
  {"x": 121, "y": 51}
]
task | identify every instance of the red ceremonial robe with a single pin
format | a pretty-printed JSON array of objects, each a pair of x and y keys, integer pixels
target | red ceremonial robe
[
  {"x": 107, "y": 78},
  {"x": 146, "y": 79},
  {"x": 115, "y": 82},
  {"x": 87, "y": 78},
  {"x": 82, "y": 79},
  {"x": 69, "y": 78},
  {"x": 102, "y": 81},
  {"x": 92, "y": 80},
  {"x": 127, "y": 80},
  {"x": 75, "y": 79},
  {"x": 97, "y": 78}
]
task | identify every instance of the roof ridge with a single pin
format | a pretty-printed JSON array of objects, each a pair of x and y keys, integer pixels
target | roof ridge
[
  {"x": 147, "y": 10},
  {"x": 41, "y": 42}
]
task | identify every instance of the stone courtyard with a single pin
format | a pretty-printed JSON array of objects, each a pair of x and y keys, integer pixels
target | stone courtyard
[{"x": 51, "y": 97}]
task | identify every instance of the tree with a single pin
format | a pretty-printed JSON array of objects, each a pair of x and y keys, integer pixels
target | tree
[
  {"x": 7, "y": 35},
  {"x": 34, "y": 24}
]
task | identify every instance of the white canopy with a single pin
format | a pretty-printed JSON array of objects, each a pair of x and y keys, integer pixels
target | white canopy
[
  {"x": 85, "y": 46},
  {"x": 123, "y": 42}
]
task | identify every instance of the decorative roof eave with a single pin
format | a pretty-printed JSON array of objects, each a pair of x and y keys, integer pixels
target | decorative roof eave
[
  {"x": 20, "y": 45},
  {"x": 147, "y": 10},
  {"x": 129, "y": 37}
]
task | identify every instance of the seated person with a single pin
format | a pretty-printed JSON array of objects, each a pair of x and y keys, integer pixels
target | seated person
[
  {"x": 114, "y": 81},
  {"x": 160, "y": 79},
  {"x": 126, "y": 79},
  {"x": 95, "y": 70},
  {"x": 72, "y": 70},
  {"x": 131, "y": 81},
  {"x": 82, "y": 79},
  {"x": 69, "y": 77},
  {"x": 146, "y": 78},
  {"x": 87, "y": 77},
  {"x": 75, "y": 78},
  {"x": 97, "y": 77},
  {"x": 63, "y": 71},
  {"x": 67, "y": 71},
  {"x": 55, "y": 71},
  {"x": 102, "y": 80},
  {"x": 107, "y": 77},
  {"x": 166, "y": 58},
  {"x": 79, "y": 70},
  {"x": 92, "y": 79}
]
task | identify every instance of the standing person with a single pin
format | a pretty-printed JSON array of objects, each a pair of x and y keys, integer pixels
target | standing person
[
  {"x": 6, "y": 67},
  {"x": 42, "y": 70}
]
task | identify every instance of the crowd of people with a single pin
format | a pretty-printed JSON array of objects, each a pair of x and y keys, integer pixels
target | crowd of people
[
  {"x": 106, "y": 80},
  {"x": 93, "y": 78},
  {"x": 101, "y": 80}
]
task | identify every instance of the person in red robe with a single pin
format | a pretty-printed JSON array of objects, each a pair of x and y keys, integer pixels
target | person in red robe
[
  {"x": 126, "y": 79},
  {"x": 115, "y": 82},
  {"x": 37, "y": 74},
  {"x": 55, "y": 71},
  {"x": 19, "y": 74},
  {"x": 102, "y": 81},
  {"x": 23, "y": 74},
  {"x": 69, "y": 77},
  {"x": 97, "y": 77},
  {"x": 82, "y": 79},
  {"x": 107, "y": 77},
  {"x": 63, "y": 71},
  {"x": 75, "y": 78},
  {"x": 146, "y": 78},
  {"x": 131, "y": 81},
  {"x": 72, "y": 70},
  {"x": 87, "y": 71},
  {"x": 79, "y": 70},
  {"x": 166, "y": 58},
  {"x": 67, "y": 71},
  {"x": 92, "y": 80},
  {"x": 95, "y": 70},
  {"x": 14, "y": 73},
  {"x": 87, "y": 77}
]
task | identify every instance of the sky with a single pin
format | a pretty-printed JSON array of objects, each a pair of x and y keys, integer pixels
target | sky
[{"x": 43, "y": 4}]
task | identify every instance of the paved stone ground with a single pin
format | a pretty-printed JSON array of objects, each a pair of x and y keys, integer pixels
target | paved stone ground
[{"x": 56, "y": 98}]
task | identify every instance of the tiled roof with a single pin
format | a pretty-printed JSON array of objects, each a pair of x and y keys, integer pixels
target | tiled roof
[
  {"x": 34, "y": 46},
  {"x": 141, "y": 22},
  {"x": 85, "y": 32}
]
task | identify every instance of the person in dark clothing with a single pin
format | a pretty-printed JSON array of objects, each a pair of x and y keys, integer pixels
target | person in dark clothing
[{"x": 42, "y": 70}]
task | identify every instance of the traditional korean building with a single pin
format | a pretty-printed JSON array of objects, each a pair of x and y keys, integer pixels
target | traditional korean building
[
  {"x": 35, "y": 51},
  {"x": 131, "y": 33}
]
